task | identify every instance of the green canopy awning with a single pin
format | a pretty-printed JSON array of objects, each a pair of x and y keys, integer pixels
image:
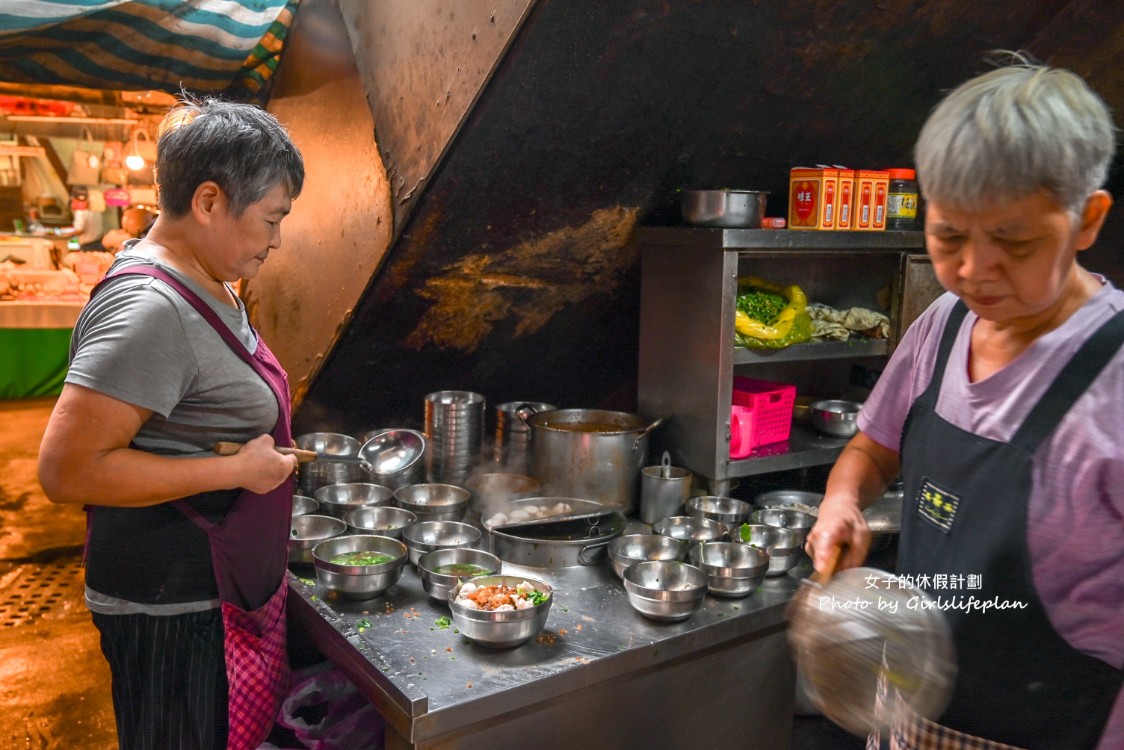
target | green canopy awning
[{"x": 229, "y": 46}]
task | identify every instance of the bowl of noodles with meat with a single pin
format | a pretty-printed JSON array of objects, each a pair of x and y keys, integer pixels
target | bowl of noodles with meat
[{"x": 501, "y": 611}]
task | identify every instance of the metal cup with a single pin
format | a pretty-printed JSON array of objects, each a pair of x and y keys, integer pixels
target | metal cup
[{"x": 663, "y": 490}]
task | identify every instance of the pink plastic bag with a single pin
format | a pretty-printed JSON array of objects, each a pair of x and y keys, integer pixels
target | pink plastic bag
[{"x": 348, "y": 719}]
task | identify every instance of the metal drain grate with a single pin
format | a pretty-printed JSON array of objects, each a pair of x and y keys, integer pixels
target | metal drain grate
[{"x": 31, "y": 591}]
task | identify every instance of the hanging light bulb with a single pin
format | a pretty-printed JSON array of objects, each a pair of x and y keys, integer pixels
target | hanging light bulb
[{"x": 133, "y": 160}]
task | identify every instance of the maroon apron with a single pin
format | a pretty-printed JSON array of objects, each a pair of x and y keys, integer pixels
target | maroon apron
[{"x": 249, "y": 553}]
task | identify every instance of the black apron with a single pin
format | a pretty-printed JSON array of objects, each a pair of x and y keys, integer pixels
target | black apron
[{"x": 965, "y": 514}]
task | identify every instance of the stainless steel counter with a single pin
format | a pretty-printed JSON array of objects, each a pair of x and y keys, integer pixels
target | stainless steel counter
[{"x": 598, "y": 676}]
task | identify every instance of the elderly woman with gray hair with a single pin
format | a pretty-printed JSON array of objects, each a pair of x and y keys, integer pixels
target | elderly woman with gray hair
[
  {"x": 1002, "y": 410},
  {"x": 186, "y": 551}
]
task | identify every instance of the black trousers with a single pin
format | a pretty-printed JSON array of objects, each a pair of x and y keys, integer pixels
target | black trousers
[{"x": 169, "y": 680}]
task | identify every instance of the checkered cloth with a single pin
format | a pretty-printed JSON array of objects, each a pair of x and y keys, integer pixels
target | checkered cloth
[{"x": 257, "y": 668}]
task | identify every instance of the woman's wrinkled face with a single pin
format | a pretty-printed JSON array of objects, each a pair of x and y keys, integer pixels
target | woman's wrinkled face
[
  {"x": 248, "y": 239},
  {"x": 1010, "y": 262}
]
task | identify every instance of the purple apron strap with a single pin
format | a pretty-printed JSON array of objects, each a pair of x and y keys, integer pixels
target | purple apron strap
[{"x": 249, "y": 548}]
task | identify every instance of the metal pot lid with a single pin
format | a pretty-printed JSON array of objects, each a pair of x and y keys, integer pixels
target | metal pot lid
[
  {"x": 579, "y": 508},
  {"x": 577, "y": 530}
]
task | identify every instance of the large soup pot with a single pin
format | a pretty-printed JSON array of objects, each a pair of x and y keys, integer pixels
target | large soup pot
[{"x": 590, "y": 453}]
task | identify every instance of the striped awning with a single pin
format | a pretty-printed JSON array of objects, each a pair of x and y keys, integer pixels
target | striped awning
[{"x": 228, "y": 46}]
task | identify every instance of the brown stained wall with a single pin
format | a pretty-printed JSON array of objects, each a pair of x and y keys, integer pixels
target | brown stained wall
[
  {"x": 372, "y": 93},
  {"x": 512, "y": 275}
]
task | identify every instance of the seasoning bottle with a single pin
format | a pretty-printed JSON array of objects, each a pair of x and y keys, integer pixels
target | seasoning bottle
[{"x": 901, "y": 206}]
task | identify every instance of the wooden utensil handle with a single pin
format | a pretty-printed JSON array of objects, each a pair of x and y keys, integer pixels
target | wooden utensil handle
[
  {"x": 229, "y": 449},
  {"x": 832, "y": 564}
]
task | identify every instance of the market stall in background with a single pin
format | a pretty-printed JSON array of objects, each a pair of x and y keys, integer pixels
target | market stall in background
[{"x": 69, "y": 172}]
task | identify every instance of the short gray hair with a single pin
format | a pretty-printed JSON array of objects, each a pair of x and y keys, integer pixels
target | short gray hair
[
  {"x": 241, "y": 147},
  {"x": 1013, "y": 131}
]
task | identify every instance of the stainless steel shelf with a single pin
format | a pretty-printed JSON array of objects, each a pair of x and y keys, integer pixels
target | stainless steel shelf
[
  {"x": 804, "y": 447},
  {"x": 687, "y": 353},
  {"x": 702, "y": 238},
  {"x": 813, "y": 351}
]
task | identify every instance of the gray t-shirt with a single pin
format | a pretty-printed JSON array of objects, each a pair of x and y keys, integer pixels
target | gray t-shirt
[{"x": 140, "y": 342}]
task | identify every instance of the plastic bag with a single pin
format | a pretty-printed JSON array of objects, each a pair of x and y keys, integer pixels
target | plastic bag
[
  {"x": 791, "y": 324},
  {"x": 326, "y": 712}
]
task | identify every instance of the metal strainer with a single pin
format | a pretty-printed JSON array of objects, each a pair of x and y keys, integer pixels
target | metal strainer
[{"x": 868, "y": 643}]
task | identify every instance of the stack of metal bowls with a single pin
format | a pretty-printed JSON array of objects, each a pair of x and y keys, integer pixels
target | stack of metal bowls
[
  {"x": 313, "y": 475},
  {"x": 733, "y": 569},
  {"x": 337, "y": 499},
  {"x": 782, "y": 545},
  {"x": 725, "y": 510},
  {"x": 427, "y": 536},
  {"x": 432, "y": 501},
  {"x": 665, "y": 590},
  {"x": 633, "y": 548},
  {"x": 442, "y": 569},
  {"x": 691, "y": 529},
  {"x": 309, "y": 530},
  {"x": 303, "y": 506},
  {"x": 454, "y": 427},
  {"x": 384, "y": 520},
  {"x": 512, "y": 446},
  {"x": 786, "y": 518}
]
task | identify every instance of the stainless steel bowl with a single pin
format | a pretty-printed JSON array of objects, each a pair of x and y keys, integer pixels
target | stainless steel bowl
[
  {"x": 804, "y": 500},
  {"x": 385, "y": 520},
  {"x": 427, "y": 536},
  {"x": 506, "y": 629},
  {"x": 304, "y": 505},
  {"x": 786, "y": 518},
  {"x": 836, "y": 417},
  {"x": 309, "y": 530},
  {"x": 313, "y": 475},
  {"x": 691, "y": 529},
  {"x": 726, "y": 510},
  {"x": 665, "y": 590},
  {"x": 724, "y": 208},
  {"x": 439, "y": 581},
  {"x": 633, "y": 548},
  {"x": 337, "y": 499},
  {"x": 783, "y": 545},
  {"x": 733, "y": 570},
  {"x": 432, "y": 501},
  {"x": 358, "y": 581}
]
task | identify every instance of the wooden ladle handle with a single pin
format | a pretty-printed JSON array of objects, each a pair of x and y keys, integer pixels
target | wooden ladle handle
[
  {"x": 832, "y": 563},
  {"x": 222, "y": 448}
]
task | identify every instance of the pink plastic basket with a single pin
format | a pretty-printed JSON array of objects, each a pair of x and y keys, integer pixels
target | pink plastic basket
[{"x": 771, "y": 404}]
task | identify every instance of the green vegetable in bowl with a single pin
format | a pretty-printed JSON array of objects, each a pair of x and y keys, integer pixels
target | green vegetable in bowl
[
  {"x": 362, "y": 557},
  {"x": 537, "y": 597},
  {"x": 746, "y": 533}
]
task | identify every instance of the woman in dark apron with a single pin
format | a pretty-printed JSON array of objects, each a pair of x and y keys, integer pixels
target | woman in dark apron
[
  {"x": 1002, "y": 411},
  {"x": 186, "y": 551}
]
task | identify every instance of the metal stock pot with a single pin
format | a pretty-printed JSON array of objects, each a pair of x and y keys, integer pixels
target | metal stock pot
[{"x": 590, "y": 453}]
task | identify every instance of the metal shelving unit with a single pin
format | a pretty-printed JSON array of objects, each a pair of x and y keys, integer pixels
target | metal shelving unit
[{"x": 687, "y": 353}]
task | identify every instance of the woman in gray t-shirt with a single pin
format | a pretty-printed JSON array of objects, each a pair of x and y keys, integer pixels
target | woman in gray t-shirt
[{"x": 164, "y": 363}]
